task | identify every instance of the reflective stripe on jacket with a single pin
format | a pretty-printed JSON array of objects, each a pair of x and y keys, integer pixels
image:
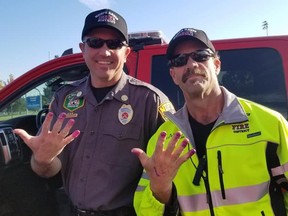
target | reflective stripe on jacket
[{"x": 247, "y": 153}]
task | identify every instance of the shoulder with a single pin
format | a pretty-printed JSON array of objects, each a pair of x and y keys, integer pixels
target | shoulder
[
  {"x": 70, "y": 87},
  {"x": 153, "y": 93},
  {"x": 146, "y": 86},
  {"x": 253, "y": 108}
]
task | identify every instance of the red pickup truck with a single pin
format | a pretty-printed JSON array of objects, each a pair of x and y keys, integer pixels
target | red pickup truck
[{"x": 253, "y": 68}]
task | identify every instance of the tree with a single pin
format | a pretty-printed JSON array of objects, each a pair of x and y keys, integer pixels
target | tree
[
  {"x": 265, "y": 26},
  {"x": 2, "y": 84},
  {"x": 9, "y": 80}
]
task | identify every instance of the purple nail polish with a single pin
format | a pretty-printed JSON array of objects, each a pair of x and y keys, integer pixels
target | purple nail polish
[
  {"x": 163, "y": 134},
  {"x": 50, "y": 114},
  {"x": 62, "y": 115},
  {"x": 178, "y": 134},
  {"x": 192, "y": 152},
  {"x": 71, "y": 122},
  {"x": 75, "y": 133},
  {"x": 184, "y": 143}
]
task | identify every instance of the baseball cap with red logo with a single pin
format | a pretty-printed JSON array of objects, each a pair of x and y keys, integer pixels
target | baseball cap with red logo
[
  {"x": 106, "y": 18},
  {"x": 188, "y": 34}
]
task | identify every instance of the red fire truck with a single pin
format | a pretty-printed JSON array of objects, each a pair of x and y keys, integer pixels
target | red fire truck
[{"x": 252, "y": 68}]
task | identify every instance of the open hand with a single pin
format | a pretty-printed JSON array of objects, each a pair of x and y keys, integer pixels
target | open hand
[
  {"x": 163, "y": 165},
  {"x": 49, "y": 143}
]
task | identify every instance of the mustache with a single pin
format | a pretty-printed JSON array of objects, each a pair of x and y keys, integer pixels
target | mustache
[{"x": 189, "y": 72}]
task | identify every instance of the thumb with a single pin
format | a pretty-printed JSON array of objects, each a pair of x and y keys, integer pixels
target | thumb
[
  {"x": 141, "y": 155},
  {"x": 23, "y": 135}
]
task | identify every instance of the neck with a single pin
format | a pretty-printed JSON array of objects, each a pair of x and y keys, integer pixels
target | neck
[{"x": 206, "y": 109}]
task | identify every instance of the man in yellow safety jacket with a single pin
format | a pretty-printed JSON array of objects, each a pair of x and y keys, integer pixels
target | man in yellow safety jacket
[{"x": 240, "y": 167}]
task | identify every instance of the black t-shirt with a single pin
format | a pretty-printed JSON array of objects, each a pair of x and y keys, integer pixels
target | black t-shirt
[
  {"x": 200, "y": 134},
  {"x": 100, "y": 93}
]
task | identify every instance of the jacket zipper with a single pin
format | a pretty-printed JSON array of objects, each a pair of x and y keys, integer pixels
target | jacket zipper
[
  {"x": 221, "y": 172},
  {"x": 201, "y": 173}
]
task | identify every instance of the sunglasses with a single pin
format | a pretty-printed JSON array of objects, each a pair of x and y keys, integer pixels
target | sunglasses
[
  {"x": 97, "y": 43},
  {"x": 198, "y": 56}
]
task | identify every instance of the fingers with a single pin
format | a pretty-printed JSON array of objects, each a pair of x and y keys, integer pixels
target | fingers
[
  {"x": 23, "y": 135},
  {"x": 57, "y": 127},
  {"x": 173, "y": 141},
  {"x": 47, "y": 122},
  {"x": 174, "y": 150},
  {"x": 159, "y": 144},
  {"x": 141, "y": 155},
  {"x": 66, "y": 130},
  {"x": 71, "y": 137},
  {"x": 58, "y": 124},
  {"x": 185, "y": 157}
]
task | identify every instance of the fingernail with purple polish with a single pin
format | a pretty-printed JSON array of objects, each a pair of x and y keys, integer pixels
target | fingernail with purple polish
[
  {"x": 184, "y": 143},
  {"x": 163, "y": 134},
  {"x": 178, "y": 134},
  {"x": 192, "y": 152},
  {"x": 50, "y": 114},
  {"x": 62, "y": 115},
  {"x": 71, "y": 122},
  {"x": 75, "y": 133}
]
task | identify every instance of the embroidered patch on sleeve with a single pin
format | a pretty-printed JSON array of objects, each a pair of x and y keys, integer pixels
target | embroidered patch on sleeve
[
  {"x": 72, "y": 102},
  {"x": 164, "y": 108}
]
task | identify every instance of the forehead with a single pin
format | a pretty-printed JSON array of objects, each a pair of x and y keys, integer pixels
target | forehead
[
  {"x": 104, "y": 33},
  {"x": 188, "y": 46}
]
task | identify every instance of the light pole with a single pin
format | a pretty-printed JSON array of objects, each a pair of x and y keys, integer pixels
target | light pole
[{"x": 265, "y": 26}]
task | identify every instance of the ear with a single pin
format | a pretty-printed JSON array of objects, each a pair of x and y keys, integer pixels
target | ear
[
  {"x": 217, "y": 64},
  {"x": 127, "y": 51},
  {"x": 82, "y": 46},
  {"x": 172, "y": 74}
]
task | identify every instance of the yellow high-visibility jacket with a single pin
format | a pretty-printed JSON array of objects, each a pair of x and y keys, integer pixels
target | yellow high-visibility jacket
[{"x": 247, "y": 165}]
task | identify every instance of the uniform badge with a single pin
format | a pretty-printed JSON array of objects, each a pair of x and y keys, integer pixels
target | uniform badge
[
  {"x": 72, "y": 101},
  {"x": 125, "y": 114}
]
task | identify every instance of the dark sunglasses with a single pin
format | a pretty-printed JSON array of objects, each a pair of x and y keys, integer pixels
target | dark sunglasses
[
  {"x": 97, "y": 43},
  {"x": 198, "y": 56}
]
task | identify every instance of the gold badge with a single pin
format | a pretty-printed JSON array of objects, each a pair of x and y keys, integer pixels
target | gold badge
[{"x": 125, "y": 114}]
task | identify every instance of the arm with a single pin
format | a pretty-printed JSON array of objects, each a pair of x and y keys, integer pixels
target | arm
[
  {"x": 283, "y": 155},
  {"x": 48, "y": 144},
  {"x": 155, "y": 186}
]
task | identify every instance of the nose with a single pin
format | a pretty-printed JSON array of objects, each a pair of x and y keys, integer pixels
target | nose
[
  {"x": 104, "y": 50},
  {"x": 192, "y": 62}
]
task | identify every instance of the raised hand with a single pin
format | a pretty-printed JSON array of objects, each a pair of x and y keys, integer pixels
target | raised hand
[
  {"x": 163, "y": 165},
  {"x": 48, "y": 144}
]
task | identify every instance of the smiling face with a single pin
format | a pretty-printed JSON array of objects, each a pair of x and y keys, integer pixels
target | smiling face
[
  {"x": 196, "y": 79},
  {"x": 105, "y": 65}
]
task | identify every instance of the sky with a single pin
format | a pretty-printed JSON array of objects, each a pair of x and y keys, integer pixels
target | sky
[{"x": 33, "y": 32}]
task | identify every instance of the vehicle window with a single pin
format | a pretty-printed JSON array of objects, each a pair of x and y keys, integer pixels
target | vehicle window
[
  {"x": 31, "y": 102},
  {"x": 38, "y": 94},
  {"x": 255, "y": 74}
]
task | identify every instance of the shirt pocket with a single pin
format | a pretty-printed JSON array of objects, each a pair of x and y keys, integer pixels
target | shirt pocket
[{"x": 117, "y": 142}]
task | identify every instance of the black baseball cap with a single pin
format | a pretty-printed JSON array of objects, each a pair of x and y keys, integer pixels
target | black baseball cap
[
  {"x": 105, "y": 18},
  {"x": 188, "y": 34}
]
